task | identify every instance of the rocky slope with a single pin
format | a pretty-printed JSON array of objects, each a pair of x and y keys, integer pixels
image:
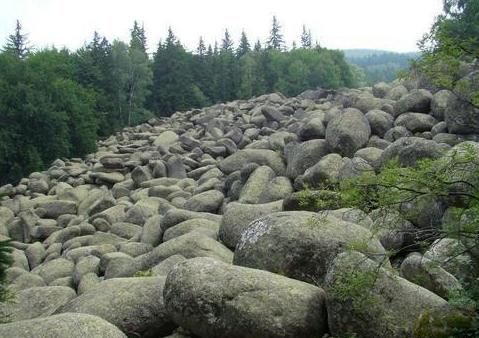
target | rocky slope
[{"x": 183, "y": 226}]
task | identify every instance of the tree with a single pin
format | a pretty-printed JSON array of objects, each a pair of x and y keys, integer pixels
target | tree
[
  {"x": 138, "y": 37},
  {"x": 17, "y": 43},
  {"x": 306, "y": 38},
  {"x": 139, "y": 74},
  {"x": 244, "y": 46},
  {"x": 257, "y": 46},
  {"x": 227, "y": 43},
  {"x": 453, "y": 41},
  {"x": 201, "y": 50},
  {"x": 276, "y": 40}
]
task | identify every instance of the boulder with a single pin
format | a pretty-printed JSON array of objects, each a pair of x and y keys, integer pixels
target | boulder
[
  {"x": 190, "y": 245},
  {"x": 208, "y": 201},
  {"x": 369, "y": 300},
  {"x": 428, "y": 274},
  {"x": 54, "y": 269},
  {"x": 214, "y": 299},
  {"x": 36, "y": 302},
  {"x": 348, "y": 132},
  {"x": 134, "y": 305},
  {"x": 237, "y": 216},
  {"x": 206, "y": 227},
  {"x": 418, "y": 101},
  {"x": 416, "y": 122},
  {"x": 379, "y": 121},
  {"x": 260, "y": 156},
  {"x": 300, "y": 244},
  {"x": 75, "y": 325},
  {"x": 301, "y": 156}
]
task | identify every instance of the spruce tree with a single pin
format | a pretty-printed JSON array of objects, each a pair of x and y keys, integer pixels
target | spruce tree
[
  {"x": 306, "y": 38},
  {"x": 201, "y": 50},
  {"x": 138, "y": 37},
  {"x": 244, "y": 46},
  {"x": 17, "y": 43},
  {"x": 257, "y": 46},
  {"x": 227, "y": 43},
  {"x": 276, "y": 40}
]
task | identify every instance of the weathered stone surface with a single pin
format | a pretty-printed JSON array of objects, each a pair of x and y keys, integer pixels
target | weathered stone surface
[
  {"x": 214, "y": 299},
  {"x": 348, "y": 132},
  {"x": 385, "y": 305},
  {"x": 208, "y": 201},
  {"x": 190, "y": 245},
  {"x": 418, "y": 100},
  {"x": 259, "y": 156},
  {"x": 134, "y": 305},
  {"x": 379, "y": 121},
  {"x": 237, "y": 216},
  {"x": 300, "y": 244},
  {"x": 301, "y": 156},
  {"x": 36, "y": 302},
  {"x": 206, "y": 227},
  {"x": 56, "y": 208},
  {"x": 54, "y": 269},
  {"x": 428, "y": 274},
  {"x": 416, "y": 122},
  {"x": 75, "y": 324}
]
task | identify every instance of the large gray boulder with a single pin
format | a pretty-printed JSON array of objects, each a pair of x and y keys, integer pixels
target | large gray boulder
[
  {"x": 301, "y": 156},
  {"x": 237, "y": 216},
  {"x": 73, "y": 325},
  {"x": 54, "y": 269},
  {"x": 260, "y": 156},
  {"x": 461, "y": 117},
  {"x": 416, "y": 122},
  {"x": 206, "y": 227},
  {"x": 134, "y": 305},
  {"x": 428, "y": 274},
  {"x": 348, "y": 132},
  {"x": 53, "y": 209},
  {"x": 409, "y": 150},
  {"x": 208, "y": 201},
  {"x": 418, "y": 101},
  {"x": 439, "y": 104},
  {"x": 380, "y": 121},
  {"x": 371, "y": 301},
  {"x": 214, "y": 299},
  {"x": 299, "y": 244},
  {"x": 190, "y": 245},
  {"x": 36, "y": 302},
  {"x": 256, "y": 185}
]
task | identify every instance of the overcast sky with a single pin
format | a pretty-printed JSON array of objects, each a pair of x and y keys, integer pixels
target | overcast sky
[{"x": 394, "y": 25}]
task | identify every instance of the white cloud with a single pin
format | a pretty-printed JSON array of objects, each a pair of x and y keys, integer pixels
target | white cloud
[{"x": 381, "y": 24}]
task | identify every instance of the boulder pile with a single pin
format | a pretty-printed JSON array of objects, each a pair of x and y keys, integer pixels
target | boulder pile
[{"x": 192, "y": 225}]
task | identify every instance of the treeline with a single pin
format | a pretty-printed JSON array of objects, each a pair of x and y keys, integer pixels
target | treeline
[
  {"x": 377, "y": 66},
  {"x": 56, "y": 103}
]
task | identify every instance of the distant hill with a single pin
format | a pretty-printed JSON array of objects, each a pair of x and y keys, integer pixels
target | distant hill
[{"x": 378, "y": 65}]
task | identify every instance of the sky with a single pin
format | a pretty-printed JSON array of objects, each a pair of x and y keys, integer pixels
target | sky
[{"x": 394, "y": 25}]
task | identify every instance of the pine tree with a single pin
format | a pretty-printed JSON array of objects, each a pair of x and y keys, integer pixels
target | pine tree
[
  {"x": 276, "y": 40},
  {"x": 306, "y": 38},
  {"x": 244, "y": 46},
  {"x": 201, "y": 50},
  {"x": 227, "y": 43},
  {"x": 257, "y": 46},
  {"x": 17, "y": 43},
  {"x": 138, "y": 37}
]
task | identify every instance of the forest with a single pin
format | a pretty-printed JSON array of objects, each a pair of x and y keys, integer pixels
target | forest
[
  {"x": 56, "y": 103},
  {"x": 376, "y": 65}
]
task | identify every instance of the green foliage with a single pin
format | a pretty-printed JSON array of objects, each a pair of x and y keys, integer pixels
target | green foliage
[
  {"x": 355, "y": 287},
  {"x": 143, "y": 273},
  {"x": 5, "y": 262},
  {"x": 378, "y": 66},
  {"x": 452, "y": 42}
]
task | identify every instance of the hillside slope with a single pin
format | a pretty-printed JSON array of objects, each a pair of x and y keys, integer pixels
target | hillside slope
[{"x": 193, "y": 223}]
